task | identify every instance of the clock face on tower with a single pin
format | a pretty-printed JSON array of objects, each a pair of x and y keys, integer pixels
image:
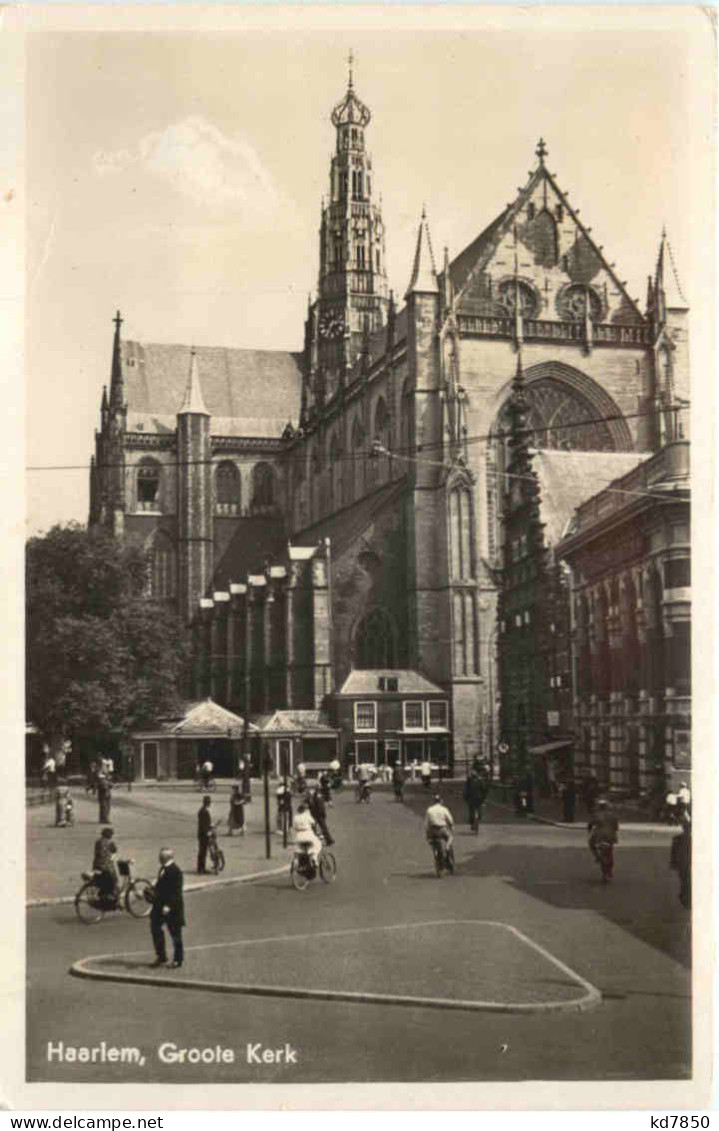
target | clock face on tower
[{"x": 332, "y": 323}]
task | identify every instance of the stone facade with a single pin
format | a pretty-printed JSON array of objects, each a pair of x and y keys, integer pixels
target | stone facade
[{"x": 386, "y": 435}]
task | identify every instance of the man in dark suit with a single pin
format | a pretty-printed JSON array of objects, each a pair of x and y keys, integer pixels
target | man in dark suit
[
  {"x": 168, "y": 910},
  {"x": 204, "y": 825}
]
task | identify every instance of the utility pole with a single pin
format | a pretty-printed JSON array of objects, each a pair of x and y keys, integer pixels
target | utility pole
[{"x": 266, "y": 777}]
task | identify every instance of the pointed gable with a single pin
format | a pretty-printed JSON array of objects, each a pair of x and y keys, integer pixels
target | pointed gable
[{"x": 539, "y": 249}]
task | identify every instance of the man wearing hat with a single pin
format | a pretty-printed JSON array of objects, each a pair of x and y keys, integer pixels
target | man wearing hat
[
  {"x": 103, "y": 862},
  {"x": 168, "y": 910}
]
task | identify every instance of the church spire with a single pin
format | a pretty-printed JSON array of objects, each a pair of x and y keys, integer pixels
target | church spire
[
  {"x": 424, "y": 273},
  {"x": 193, "y": 401},
  {"x": 352, "y": 289},
  {"x": 117, "y": 385}
]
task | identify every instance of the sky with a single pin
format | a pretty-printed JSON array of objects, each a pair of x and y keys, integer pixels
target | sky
[{"x": 178, "y": 176}]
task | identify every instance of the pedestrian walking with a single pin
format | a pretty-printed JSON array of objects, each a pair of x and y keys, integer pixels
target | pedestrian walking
[
  {"x": 475, "y": 793},
  {"x": 168, "y": 910},
  {"x": 49, "y": 771},
  {"x": 204, "y": 825},
  {"x": 236, "y": 817},
  {"x": 680, "y": 860},
  {"x": 104, "y": 797},
  {"x": 569, "y": 797},
  {"x": 243, "y": 775}
]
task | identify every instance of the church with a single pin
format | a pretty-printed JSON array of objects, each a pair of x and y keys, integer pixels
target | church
[{"x": 341, "y": 507}]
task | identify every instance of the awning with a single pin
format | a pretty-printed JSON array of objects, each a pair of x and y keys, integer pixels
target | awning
[{"x": 549, "y": 747}]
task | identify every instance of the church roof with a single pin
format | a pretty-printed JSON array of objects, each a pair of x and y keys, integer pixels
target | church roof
[
  {"x": 347, "y": 525},
  {"x": 237, "y": 385},
  {"x": 567, "y": 479}
]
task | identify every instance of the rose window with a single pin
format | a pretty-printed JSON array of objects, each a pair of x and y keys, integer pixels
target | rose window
[
  {"x": 507, "y": 300},
  {"x": 577, "y": 301}
]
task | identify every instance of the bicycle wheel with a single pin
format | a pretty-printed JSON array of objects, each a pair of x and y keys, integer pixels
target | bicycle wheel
[
  {"x": 218, "y": 861},
  {"x": 328, "y": 867},
  {"x": 299, "y": 878},
  {"x": 87, "y": 903},
  {"x": 138, "y": 898},
  {"x": 450, "y": 860}
]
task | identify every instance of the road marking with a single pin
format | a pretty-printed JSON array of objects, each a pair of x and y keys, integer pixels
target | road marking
[{"x": 84, "y": 968}]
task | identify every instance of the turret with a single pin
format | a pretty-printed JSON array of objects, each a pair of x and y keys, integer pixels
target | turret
[
  {"x": 194, "y": 457},
  {"x": 114, "y": 425}
]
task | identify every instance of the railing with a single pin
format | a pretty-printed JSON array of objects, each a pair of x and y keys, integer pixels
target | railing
[{"x": 543, "y": 330}]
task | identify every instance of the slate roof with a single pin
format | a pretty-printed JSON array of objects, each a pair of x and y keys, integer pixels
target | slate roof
[
  {"x": 567, "y": 479},
  {"x": 343, "y": 527},
  {"x": 365, "y": 681},
  {"x": 460, "y": 267},
  {"x": 259, "y": 388},
  {"x": 255, "y": 540},
  {"x": 294, "y": 722}
]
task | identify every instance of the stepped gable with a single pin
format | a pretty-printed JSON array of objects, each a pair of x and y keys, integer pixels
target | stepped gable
[
  {"x": 568, "y": 479},
  {"x": 540, "y": 243},
  {"x": 259, "y": 388}
]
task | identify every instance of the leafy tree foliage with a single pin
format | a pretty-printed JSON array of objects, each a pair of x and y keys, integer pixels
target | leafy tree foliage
[{"x": 102, "y": 659}]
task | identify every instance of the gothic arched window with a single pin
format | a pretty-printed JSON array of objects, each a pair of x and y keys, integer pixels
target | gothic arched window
[
  {"x": 163, "y": 567},
  {"x": 263, "y": 486},
  {"x": 149, "y": 474},
  {"x": 336, "y": 477},
  {"x": 576, "y": 301},
  {"x": 227, "y": 488},
  {"x": 375, "y": 641},
  {"x": 358, "y": 459},
  {"x": 460, "y": 533},
  {"x": 405, "y": 419}
]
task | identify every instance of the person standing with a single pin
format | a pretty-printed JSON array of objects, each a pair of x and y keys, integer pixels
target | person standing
[
  {"x": 104, "y": 797},
  {"x": 204, "y": 825},
  {"x": 680, "y": 861},
  {"x": 168, "y": 910},
  {"x": 130, "y": 771},
  {"x": 568, "y": 801},
  {"x": 284, "y": 807},
  {"x": 236, "y": 818},
  {"x": 319, "y": 813},
  {"x": 425, "y": 773}
]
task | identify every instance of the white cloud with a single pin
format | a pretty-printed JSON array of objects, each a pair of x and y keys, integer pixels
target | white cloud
[{"x": 201, "y": 164}]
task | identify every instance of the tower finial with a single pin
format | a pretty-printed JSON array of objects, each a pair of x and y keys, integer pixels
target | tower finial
[
  {"x": 118, "y": 321},
  {"x": 541, "y": 150},
  {"x": 350, "y": 62},
  {"x": 117, "y": 387}
]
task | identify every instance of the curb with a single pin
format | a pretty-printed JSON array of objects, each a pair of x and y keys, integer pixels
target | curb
[
  {"x": 588, "y": 1000},
  {"x": 581, "y": 826},
  {"x": 199, "y": 885}
]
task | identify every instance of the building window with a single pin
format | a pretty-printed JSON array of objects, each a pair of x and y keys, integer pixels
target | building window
[
  {"x": 227, "y": 488},
  {"x": 148, "y": 485},
  {"x": 163, "y": 568},
  {"x": 365, "y": 716},
  {"x": 460, "y": 533},
  {"x": 437, "y": 715},
  {"x": 365, "y": 751},
  {"x": 413, "y": 714},
  {"x": 263, "y": 487}
]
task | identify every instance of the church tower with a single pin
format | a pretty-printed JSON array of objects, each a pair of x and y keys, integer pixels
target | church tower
[
  {"x": 194, "y": 495},
  {"x": 352, "y": 292}
]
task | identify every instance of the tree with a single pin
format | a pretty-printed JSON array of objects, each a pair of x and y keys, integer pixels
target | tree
[{"x": 102, "y": 659}]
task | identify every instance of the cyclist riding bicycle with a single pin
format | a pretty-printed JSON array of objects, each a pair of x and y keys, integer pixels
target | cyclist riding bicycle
[
  {"x": 603, "y": 828},
  {"x": 103, "y": 862},
  {"x": 438, "y": 823},
  {"x": 305, "y": 833},
  {"x": 206, "y": 772}
]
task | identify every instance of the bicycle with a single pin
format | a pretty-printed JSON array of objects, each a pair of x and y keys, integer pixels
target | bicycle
[
  {"x": 443, "y": 855},
  {"x": 364, "y": 792},
  {"x": 303, "y": 870},
  {"x": 205, "y": 785},
  {"x": 134, "y": 895},
  {"x": 217, "y": 856},
  {"x": 603, "y": 852}
]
